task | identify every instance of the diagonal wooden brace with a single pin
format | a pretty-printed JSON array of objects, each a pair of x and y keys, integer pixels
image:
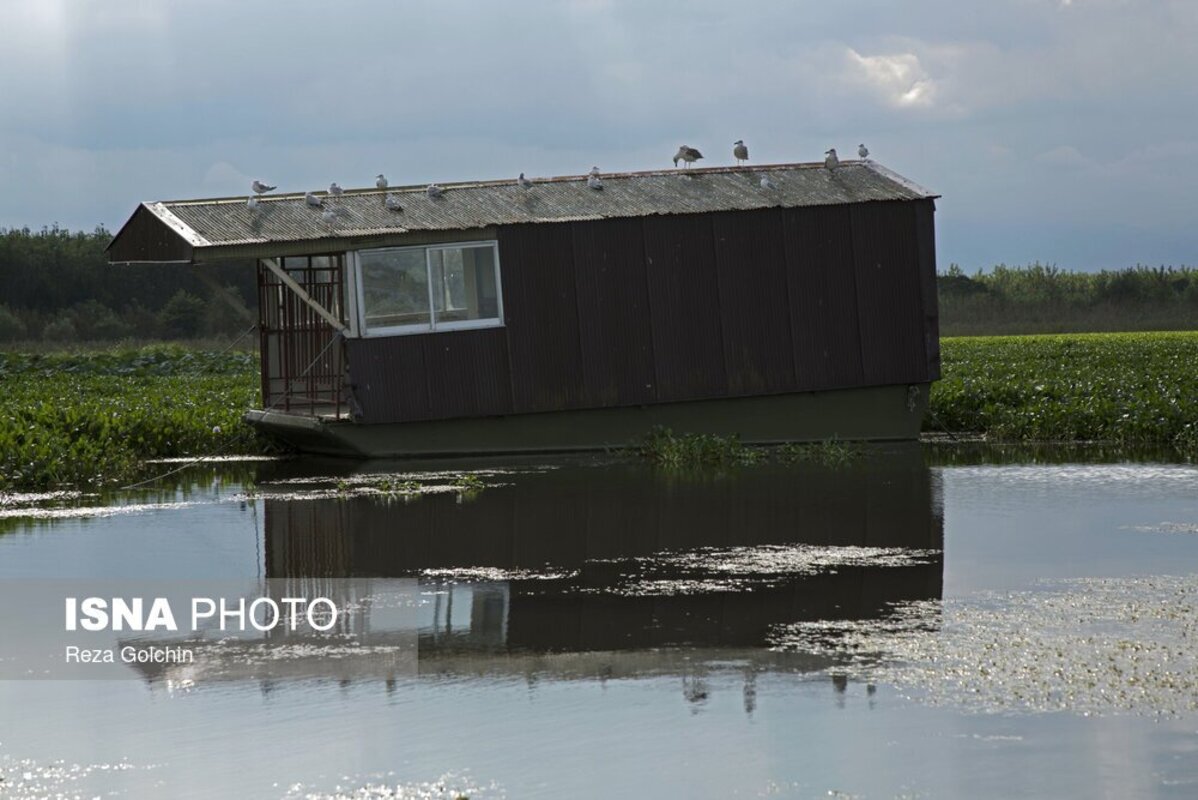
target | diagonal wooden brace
[{"x": 273, "y": 265}]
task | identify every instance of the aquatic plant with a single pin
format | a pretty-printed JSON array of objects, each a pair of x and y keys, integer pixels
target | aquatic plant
[
  {"x": 1125, "y": 388},
  {"x": 686, "y": 450},
  {"x": 830, "y": 453}
]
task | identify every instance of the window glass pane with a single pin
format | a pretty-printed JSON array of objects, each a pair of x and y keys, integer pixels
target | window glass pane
[
  {"x": 394, "y": 288},
  {"x": 464, "y": 283}
]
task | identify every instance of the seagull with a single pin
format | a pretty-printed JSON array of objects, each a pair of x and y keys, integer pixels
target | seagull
[
  {"x": 523, "y": 182},
  {"x": 381, "y": 182},
  {"x": 766, "y": 183},
  {"x": 329, "y": 216},
  {"x": 739, "y": 151},
  {"x": 862, "y": 151},
  {"x": 312, "y": 200},
  {"x": 251, "y": 203},
  {"x": 687, "y": 155},
  {"x": 434, "y": 191},
  {"x": 392, "y": 203},
  {"x": 595, "y": 171},
  {"x": 335, "y": 190},
  {"x": 261, "y": 188},
  {"x": 594, "y": 181},
  {"x": 830, "y": 159}
]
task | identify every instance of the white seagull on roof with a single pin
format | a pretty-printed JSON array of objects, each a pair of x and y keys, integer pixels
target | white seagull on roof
[
  {"x": 392, "y": 203},
  {"x": 594, "y": 181},
  {"x": 687, "y": 155},
  {"x": 261, "y": 188},
  {"x": 862, "y": 151},
  {"x": 766, "y": 183},
  {"x": 523, "y": 182},
  {"x": 740, "y": 151},
  {"x": 312, "y": 200},
  {"x": 434, "y": 191},
  {"x": 335, "y": 190},
  {"x": 830, "y": 159},
  {"x": 380, "y": 181},
  {"x": 329, "y": 216}
]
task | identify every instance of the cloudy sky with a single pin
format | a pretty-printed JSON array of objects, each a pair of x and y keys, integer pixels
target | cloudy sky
[{"x": 1064, "y": 131}]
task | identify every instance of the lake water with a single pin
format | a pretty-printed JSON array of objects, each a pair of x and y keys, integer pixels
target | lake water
[{"x": 899, "y": 627}]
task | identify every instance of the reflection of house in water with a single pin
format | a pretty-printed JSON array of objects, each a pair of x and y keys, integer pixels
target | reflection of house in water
[
  {"x": 601, "y": 571},
  {"x": 619, "y": 557}
]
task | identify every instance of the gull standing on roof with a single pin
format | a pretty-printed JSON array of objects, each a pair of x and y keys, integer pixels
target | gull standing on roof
[
  {"x": 261, "y": 188},
  {"x": 329, "y": 216},
  {"x": 739, "y": 151},
  {"x": 392, "y": 203},
  {"x": 381, "y": 182},
  {"x": 251, "y": 203},
  {"x": 523, "y": 182},
  {"x": 830, "y": 159},
  {"x": 312, "y": 200},
  {"x": 434, "y": 191},
  {"x": 766, "y": 183},
  {"x": 335, "y": 190},
  {"x": 594, "y": 181},
  {"x": 687, "y": 155},
  {"x": 862, "y": 151}
]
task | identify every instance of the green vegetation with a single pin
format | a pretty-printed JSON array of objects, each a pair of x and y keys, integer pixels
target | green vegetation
[
  {"x": 92, "y": 419},
  {"x": 1129, "y": 389},
  {"x": 667, "y": 449},
  {"x": 829, "y": 453},
  {"x": 1044, "y": 299}
]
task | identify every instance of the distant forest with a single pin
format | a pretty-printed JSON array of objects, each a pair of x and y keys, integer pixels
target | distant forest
[{"x": 56, "y": 286}]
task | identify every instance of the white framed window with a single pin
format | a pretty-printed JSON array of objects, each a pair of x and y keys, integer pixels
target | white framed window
[{"x": 441, "y": 287}]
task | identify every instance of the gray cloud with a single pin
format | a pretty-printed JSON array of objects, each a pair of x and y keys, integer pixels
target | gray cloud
[{"x": 1028, "y": 115}]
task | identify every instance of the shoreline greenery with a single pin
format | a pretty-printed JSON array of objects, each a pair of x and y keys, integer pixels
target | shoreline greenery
[{"x": 91, "y": 418}]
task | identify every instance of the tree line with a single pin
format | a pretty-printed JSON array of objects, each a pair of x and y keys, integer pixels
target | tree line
[{"x": 57, "y": 286}]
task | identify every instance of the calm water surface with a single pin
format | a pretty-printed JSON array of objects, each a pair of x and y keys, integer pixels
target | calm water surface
[{"x": 587, "y": 628}]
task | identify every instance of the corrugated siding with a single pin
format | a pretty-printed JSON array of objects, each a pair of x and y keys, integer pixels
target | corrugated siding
[
  {"x": 688, "y": 340},
  {"x": 629, "y": 312},
  {"x": 889, "y": 307},
  {"x": 613, "y": 312},
  {"x": 754, "y": 303},
  {"x": 472, "y": 376},
  {"x": 823, "y": 297},
  {"x": 925, "y": 232},
  {"x": 146, "y": 238},
  {"x": 540, "y": 306}
]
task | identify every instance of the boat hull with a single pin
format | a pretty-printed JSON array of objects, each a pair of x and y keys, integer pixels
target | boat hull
[{"x": 876, "y": 413}]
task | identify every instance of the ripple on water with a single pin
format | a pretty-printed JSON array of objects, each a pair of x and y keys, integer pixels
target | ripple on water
[
  {"x": 447, "y": 787},
  {"x": 1089, "y": 646}
]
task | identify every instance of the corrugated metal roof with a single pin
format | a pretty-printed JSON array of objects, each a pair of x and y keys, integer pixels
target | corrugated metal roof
[{"x": 228, "y": 222}]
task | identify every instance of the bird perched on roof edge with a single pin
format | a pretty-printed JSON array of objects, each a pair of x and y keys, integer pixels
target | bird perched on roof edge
[
  {"x": 830, "y": 159},
  {"x": 740, "y": 151},
  {"x": 261, "y": 188},
  {"x": 687, "y": 155},
  {"x": 523, "y": 182},
  {"x": 594, "y": 181},
  {"x": 434, "y": 191},
  {"x": 380, "y": 181},
  {"x": 862, "y": 151},
  {"x": 392, "y": 203},
  {"x": 312, "y": 200},
  {"x": 766, "y": 183},
  {"x": 335, "y": 190},
  {"x": 329, "y": 216}
]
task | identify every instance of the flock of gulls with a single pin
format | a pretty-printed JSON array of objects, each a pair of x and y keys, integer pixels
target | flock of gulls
[{"x": 686, "y": 155}]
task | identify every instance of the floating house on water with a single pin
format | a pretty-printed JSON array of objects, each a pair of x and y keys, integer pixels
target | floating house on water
[{"x": 494, "y": 317}]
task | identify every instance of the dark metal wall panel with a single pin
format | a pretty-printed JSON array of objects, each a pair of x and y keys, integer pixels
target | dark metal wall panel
[
  {"x": 889, "y": 306},
  {"x": 468, "y": 373},
  {"x": 146, "y": 238},
  {"x": 613, "y": 312},
  {"x": 688, "y": 349},
  {"x": 823, "y": 297},
  {"x": 754, "y": 302},
  {"x": 925, "y": 234},
  {"x": 388, "y": 378},
  {"x": 540, "y": 306}
]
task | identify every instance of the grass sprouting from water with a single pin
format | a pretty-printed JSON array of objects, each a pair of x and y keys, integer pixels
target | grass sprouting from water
[
  {"x": 92, "y": 419},
  {"x": 1126, "y": 388},
  {"x": 672, "y": 450}
]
